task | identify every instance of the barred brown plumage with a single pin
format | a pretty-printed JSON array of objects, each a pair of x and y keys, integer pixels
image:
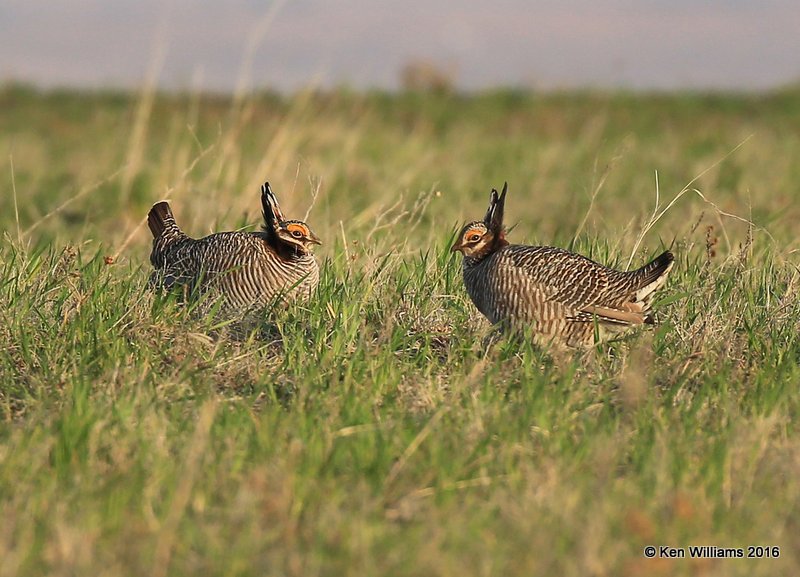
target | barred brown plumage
[
  {"x": 246, "y": 271},
  {"x": 561, "y": 296}
]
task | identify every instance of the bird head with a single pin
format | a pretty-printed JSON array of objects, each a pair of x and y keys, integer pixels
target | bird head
[
  {"x": 292, "y": 234},
  {"x": 479, "y": 238},
  {"x": 473, "y": 238},
  {"x": 297, "y": 235}
]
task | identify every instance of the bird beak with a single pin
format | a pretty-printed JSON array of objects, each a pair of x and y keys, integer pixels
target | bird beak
[
  {"x": 314, "y": 238},
  {"x": 456, "y": 247}
]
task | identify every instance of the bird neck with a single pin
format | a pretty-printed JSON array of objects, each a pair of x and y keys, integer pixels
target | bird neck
[
  {"x": 288, "y": 251},
  {"x": 489, "y": 249},
  {"x": 285, "y": 250},
  {"x": 477, "y": 258}
]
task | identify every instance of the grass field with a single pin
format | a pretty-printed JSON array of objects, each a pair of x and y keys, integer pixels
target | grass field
[{"x": 381, "y": 429}]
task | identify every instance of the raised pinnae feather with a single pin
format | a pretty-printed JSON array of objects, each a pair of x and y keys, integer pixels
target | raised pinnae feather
[
  {"x": 494, "y": 215},
  {"x": 271, "y": 210},
  {"x": 496, "y": 224},
  {"x": 490, "y": 210}
]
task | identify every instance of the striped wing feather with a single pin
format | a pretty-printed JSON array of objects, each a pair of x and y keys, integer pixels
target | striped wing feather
[
  {"x": 239, "y": 267},
  {"x": 551, "y": 284}
]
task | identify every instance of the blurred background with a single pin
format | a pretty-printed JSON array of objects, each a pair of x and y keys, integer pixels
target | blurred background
[
  {"x": 378, "y": 115},
  {"x": 472, "y": 44}
]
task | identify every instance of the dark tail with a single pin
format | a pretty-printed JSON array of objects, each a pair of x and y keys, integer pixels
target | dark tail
[
  {"x": 160, "y": 218},
  {"x": 166, "y": 232},
  {"x": 655, "y": 269},
  {"x": 649, "y": 279}
]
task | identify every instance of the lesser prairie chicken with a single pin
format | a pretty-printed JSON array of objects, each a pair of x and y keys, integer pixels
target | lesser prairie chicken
[
  {"x": 560, "y": 296},
  {"x": 247, "y": 271}
]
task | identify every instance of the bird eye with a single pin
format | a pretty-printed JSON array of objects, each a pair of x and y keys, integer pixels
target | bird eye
[
  {"x": 474, "y": 237},
  {"x": 297, "y": 234}
]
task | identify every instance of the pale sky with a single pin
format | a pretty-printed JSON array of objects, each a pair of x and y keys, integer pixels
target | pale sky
[{"x": 216, "y": 45}]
